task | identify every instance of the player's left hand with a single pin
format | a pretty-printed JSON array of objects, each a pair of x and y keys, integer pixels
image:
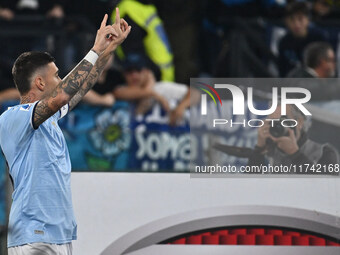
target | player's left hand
[{"x": 287, "y": 144}]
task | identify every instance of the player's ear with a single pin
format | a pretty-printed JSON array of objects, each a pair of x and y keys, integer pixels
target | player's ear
[{"x": 39, "y": 83}]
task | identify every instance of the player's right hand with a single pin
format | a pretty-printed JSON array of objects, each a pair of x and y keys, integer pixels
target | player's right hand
[{"x": 105, "y": 35}]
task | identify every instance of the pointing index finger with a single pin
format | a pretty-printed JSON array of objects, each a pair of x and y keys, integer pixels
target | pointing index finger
[
  {"x": 103, "y": 24},
  {"x": 117, "y": 16}
]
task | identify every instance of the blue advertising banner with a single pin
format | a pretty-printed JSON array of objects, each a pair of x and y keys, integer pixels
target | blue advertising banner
[
  {"x": 115, "y": 139},
  {"x": 98, "y": 138},
  {"x": 157, "y": 146}
]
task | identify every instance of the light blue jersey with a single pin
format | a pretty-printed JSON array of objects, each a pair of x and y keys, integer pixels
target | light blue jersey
[{"x": 40, "y": 168}]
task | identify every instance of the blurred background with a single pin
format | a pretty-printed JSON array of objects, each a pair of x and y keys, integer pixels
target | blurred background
[{"x": 136, "y": 118}]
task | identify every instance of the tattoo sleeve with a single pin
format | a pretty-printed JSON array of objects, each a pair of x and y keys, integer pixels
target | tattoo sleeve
[
  {"x": 62, "y": 94},
  {"x": 90, "y": 81}
]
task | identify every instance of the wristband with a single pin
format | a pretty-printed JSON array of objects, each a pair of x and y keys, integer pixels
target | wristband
[{"x": 91, "y": 57}]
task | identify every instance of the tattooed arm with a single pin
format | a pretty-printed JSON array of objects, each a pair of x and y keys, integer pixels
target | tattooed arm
[
  {"x": 75, "y": 80},
  {"x": 123, "y": 30},
  {"x": 61, "y": 95},
  {"x": 90, "y": 81}
]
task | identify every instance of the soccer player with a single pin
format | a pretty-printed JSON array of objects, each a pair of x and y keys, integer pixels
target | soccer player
[{"x": 41, "y": 218}]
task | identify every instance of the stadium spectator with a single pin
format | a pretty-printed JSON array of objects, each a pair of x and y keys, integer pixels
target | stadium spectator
[
  {"x": 290, "y": 146},
  {"x": 183, "y": 35},
  {"x": 143, "y": 88},
  {"x": 9, "y": 94},
  {"x": 233, "y": 33},
  {"x": 101, "y": 94},
  {"x": 300, "y": 34},
  {"x": 325, "y": 10},
  {"x": 94, "y": 98},
  {"x": 51, "y": 8},
  {"x": 11, "y": 47},
  {"x": 318, "y": 62},
  {"x": 147, "y": 36},
  {"x": 6, "y": 13},
  {"x": 139, "y": 81}
]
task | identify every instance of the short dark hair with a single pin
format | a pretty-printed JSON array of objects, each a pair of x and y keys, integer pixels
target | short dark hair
[
  {"x": 315, "y": 52},
  {"x": 25, "y": 66},
  {"x": 294, "y": 8}
]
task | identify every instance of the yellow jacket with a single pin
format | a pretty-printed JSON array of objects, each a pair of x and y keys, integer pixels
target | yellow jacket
[{"x": 155, "y": 42}]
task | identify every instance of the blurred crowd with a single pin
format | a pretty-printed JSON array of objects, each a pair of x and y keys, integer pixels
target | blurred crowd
[{"x": 172, "y": 41}]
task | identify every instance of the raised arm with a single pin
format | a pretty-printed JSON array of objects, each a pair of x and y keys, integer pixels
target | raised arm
[
  {"x": 107, "y": 40},
  {"x": 123, "y": 30},
  {"x": 91, "y": 80},
  {"x": 61, "y": 95}
]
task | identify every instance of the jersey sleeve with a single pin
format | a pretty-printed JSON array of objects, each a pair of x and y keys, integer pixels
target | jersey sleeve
[
  {"x": 29, "y": 108},
  {"x": 57, "y": 116}
]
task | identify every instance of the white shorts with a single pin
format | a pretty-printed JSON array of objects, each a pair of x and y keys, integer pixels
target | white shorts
[{"x": 41, "y": 249}]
